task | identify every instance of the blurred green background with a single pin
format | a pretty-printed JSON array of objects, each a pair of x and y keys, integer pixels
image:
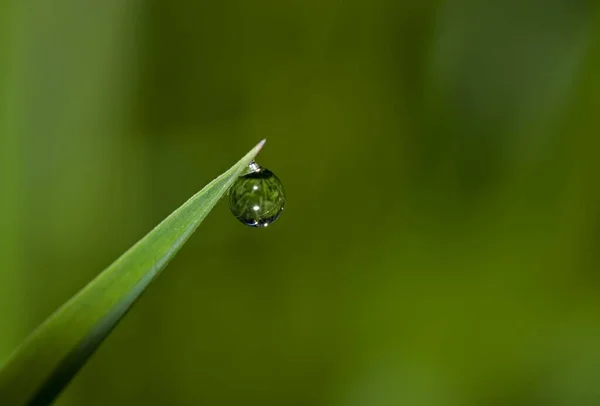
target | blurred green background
[{"x": 441, "y": 239}]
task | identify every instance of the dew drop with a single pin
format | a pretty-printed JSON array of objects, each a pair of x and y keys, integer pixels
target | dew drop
[{"x": 257, "y": 198}]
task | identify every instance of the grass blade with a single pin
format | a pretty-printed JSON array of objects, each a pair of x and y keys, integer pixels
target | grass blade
[{"x": 49, "y": 358}]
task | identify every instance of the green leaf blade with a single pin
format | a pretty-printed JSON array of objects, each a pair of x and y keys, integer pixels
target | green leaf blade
[{"x": 49, "y": 358}]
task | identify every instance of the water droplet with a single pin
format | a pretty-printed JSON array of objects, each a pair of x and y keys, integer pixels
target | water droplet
[{"x": 257, "y": 198}]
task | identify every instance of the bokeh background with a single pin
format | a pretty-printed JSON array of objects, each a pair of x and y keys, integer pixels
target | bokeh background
[{"x": 441, "y": 240}]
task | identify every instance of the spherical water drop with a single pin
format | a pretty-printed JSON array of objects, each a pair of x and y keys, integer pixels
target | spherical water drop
[{"x": 257, "y": 198}]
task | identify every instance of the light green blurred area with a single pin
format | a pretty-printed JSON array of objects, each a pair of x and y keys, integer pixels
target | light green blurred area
[{"x": 441, "y": 239}]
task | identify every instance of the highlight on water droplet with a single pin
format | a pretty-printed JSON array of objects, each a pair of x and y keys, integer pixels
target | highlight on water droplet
[
  {"x": 257, "y": 198},
  {"x": 254, "y": 167}
]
